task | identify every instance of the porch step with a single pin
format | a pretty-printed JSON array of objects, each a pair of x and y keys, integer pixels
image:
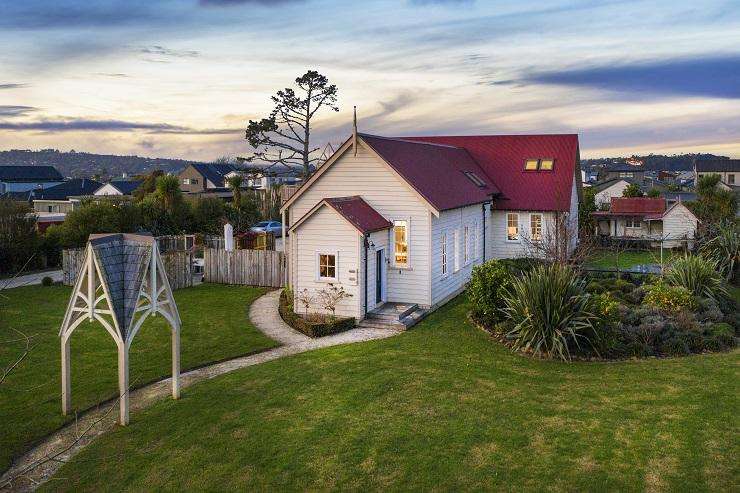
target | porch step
[{"x": 393, "y": 316}]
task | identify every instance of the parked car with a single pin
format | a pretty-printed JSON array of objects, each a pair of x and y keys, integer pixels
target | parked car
[{"x": 274, "y": 227}]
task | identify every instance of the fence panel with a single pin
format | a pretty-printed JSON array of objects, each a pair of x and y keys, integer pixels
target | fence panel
[
  {"x": 72, "y": 260},
  {"x": 248, "y": 267},
  {"x": 177, "y": 264}
]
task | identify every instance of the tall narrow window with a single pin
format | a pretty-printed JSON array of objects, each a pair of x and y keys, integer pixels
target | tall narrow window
[
  {"x": 535, "y": 227},
  {"x": 401, "y": 243},
  {"x": 478, "y": 240},
  {"x": 466, "y": 244},
  {"x": 443, "y": 240},
  {"x": 512, "y": 226},
  {"x": 456, "y": 249}
]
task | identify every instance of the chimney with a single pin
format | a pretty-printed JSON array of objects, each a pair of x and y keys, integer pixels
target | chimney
[{"x": 354, "y": 131}]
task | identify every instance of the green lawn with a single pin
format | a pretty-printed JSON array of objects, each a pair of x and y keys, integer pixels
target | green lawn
[
  {"x": 605, "y": 259},
  {"x": 215, "y": 326},
  {"x": 441, "y": 407}
]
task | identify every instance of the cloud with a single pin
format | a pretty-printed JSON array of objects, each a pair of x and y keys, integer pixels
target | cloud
[
  {"x": 6, "y": 110},
  {"x": 12, "y": 86},
  {"x": 51, "y": 15},
  {"x": 228, "y": 3},
  {"x": 710, "y": 76},
  {"x": 168, "y": 52},
  {"x": 84, "y": 124},
  {"x": 112, "y": 74},
  {"x": 439, "y": 2}
]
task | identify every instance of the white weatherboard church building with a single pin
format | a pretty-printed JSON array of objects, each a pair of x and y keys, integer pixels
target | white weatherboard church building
[{"x": 404, "y": 220}]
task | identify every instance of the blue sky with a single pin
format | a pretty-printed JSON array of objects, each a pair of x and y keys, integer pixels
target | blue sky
[{"x": 181, "y": 78}]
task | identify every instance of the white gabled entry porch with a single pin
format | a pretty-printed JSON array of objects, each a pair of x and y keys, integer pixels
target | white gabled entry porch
[{"x": 345, "y": 242}]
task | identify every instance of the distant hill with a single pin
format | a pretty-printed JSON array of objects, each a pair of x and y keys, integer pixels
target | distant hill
[
  {"x": 653, "y": 162},
  {"x": 84, "y": 164}
]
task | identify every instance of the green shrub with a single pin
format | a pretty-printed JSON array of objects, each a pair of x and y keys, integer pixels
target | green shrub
[
  {"x": 669, "y": 298},
  {"x": 596, "y": 287},
  {"x": 550, "y": 310},
  {"x": 724, "y": 250},
  {"x": 719, "y": 337},
  {"x": 623, "y": 286},
  {"x": 698, "y": 275},
  {"x": 47, "y": 281},
  {"x": 486, "y": 289},
  {"x": 675, "y": 346}
]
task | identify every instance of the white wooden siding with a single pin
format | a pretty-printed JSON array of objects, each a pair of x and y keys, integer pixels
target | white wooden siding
[
  {"x": 327, "y": 232},
  {"x": 500, "y": 247},
  {"x": 366, "y": 176},
  {"x": 450, "y": 222},
  {"x": 616, "y": 190},
  {"x": 573, "y": 218},
  {"x": 679, "y": 222}
]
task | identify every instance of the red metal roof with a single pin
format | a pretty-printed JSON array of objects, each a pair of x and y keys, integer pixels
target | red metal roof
[
  {"x": 359, "y": 213},
  {"x": 637, "y": 205},
  {"x": 435, "y": 170},
  {"x": 502, "y": 158}
]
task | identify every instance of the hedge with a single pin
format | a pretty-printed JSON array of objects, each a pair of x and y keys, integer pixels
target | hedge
[{"x": 308, "y": 327}]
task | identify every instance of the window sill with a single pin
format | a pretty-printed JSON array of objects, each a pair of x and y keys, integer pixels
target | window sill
[{"x": 327, "y": 280}]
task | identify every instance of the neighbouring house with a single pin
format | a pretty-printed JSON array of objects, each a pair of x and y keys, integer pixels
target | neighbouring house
[
  {"x": 622, "y": 171},
  {"x": 727, "y": 169},
  {"x": 51, "y": 205},
  {"x": 403, "y": 221},
  {"x": 672, "y": 197},
  {"x": 650, "y": 219},
  {"x": 201, "y": 177},
  {"x": 118, "y": 187},
  {"x": 262, "y": 177},
  {"x": 25, "y": 178},
  {"x": 605, "y": 190}
]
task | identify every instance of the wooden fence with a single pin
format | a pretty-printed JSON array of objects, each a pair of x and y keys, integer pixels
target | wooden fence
[
  {"x": 248, "y": 267},
  {"x": 177, "y": 264}
]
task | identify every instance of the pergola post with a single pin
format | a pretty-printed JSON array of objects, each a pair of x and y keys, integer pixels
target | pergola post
[
  {"x": 66, "y": 382},
  {"x": 176, "y": 363},
  {"x": 123, "y": 390}
]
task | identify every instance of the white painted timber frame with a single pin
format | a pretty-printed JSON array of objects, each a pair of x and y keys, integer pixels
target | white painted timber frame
[{"x": 91, "y": 289}]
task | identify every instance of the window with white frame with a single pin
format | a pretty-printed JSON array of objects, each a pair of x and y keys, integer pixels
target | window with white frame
[
  {"x": 401, "y": 243},
  {"x": 443, "y": 245},
  {"x": 466, "y": 244},
  {"x": 326, "y": 266},
  {"x": 626, "y": 174},
  {"x": 535, "y": 227},
  {"x": 632, "y": 223},
  {"x": 456, "y": 250},
  {"x": 512, "y": 226}
]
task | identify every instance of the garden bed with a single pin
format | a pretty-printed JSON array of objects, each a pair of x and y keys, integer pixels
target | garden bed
[
  {"x": 323, "y": 325},
  {"x": 556, "y": 312}
]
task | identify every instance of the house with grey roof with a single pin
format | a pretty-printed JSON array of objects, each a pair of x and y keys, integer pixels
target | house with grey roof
[
  {"x": 727, "y": 169},
  {"x": 200, "y": 177},
  {"x": 25, "y": 178}
]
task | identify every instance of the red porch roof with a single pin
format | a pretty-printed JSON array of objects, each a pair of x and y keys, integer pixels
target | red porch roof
[{"x": 359, "y": 213}]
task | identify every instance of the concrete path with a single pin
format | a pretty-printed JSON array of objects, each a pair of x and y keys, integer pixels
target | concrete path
[
  {"x": 40, "y": 463},
  {"x": 30, "y": 279}
]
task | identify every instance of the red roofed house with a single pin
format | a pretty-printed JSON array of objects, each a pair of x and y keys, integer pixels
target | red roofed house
[
  {"x": 649, "y": 219},
  {"x": 400, "y": 222}
]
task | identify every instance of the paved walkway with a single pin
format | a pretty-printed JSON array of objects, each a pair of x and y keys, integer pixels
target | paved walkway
[
  {"x": 40, "y": 463},
  {"x": 30, "y": 279}
]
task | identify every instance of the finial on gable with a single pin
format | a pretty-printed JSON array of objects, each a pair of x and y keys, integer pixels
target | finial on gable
[{"x": 354, "y": 131}]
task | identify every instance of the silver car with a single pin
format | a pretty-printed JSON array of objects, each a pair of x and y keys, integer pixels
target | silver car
[{"x": 274, "y": 227}]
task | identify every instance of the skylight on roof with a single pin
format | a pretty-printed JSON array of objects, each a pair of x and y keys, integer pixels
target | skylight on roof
[
  {"x": 475, "y": 179},
  {"x": 542, "y": 164}
]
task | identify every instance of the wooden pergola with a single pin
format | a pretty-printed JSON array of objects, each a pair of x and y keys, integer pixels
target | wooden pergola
[{"x": 121, "y": 282}]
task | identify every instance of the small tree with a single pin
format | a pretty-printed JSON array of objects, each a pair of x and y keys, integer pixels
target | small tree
[
  {"x": 653, "y": 193},
  {"x": 284, "y": 136},
  {"x": 235, "y": 184},
  {"x": 306, "y": 299},
  {"x": 632, "y": 190},
  {"x": 168, "y": 191},
  {"x": 331, "y": 296}
]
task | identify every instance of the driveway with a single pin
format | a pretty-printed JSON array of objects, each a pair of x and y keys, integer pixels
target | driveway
[{"x": 30, "y": 279}]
